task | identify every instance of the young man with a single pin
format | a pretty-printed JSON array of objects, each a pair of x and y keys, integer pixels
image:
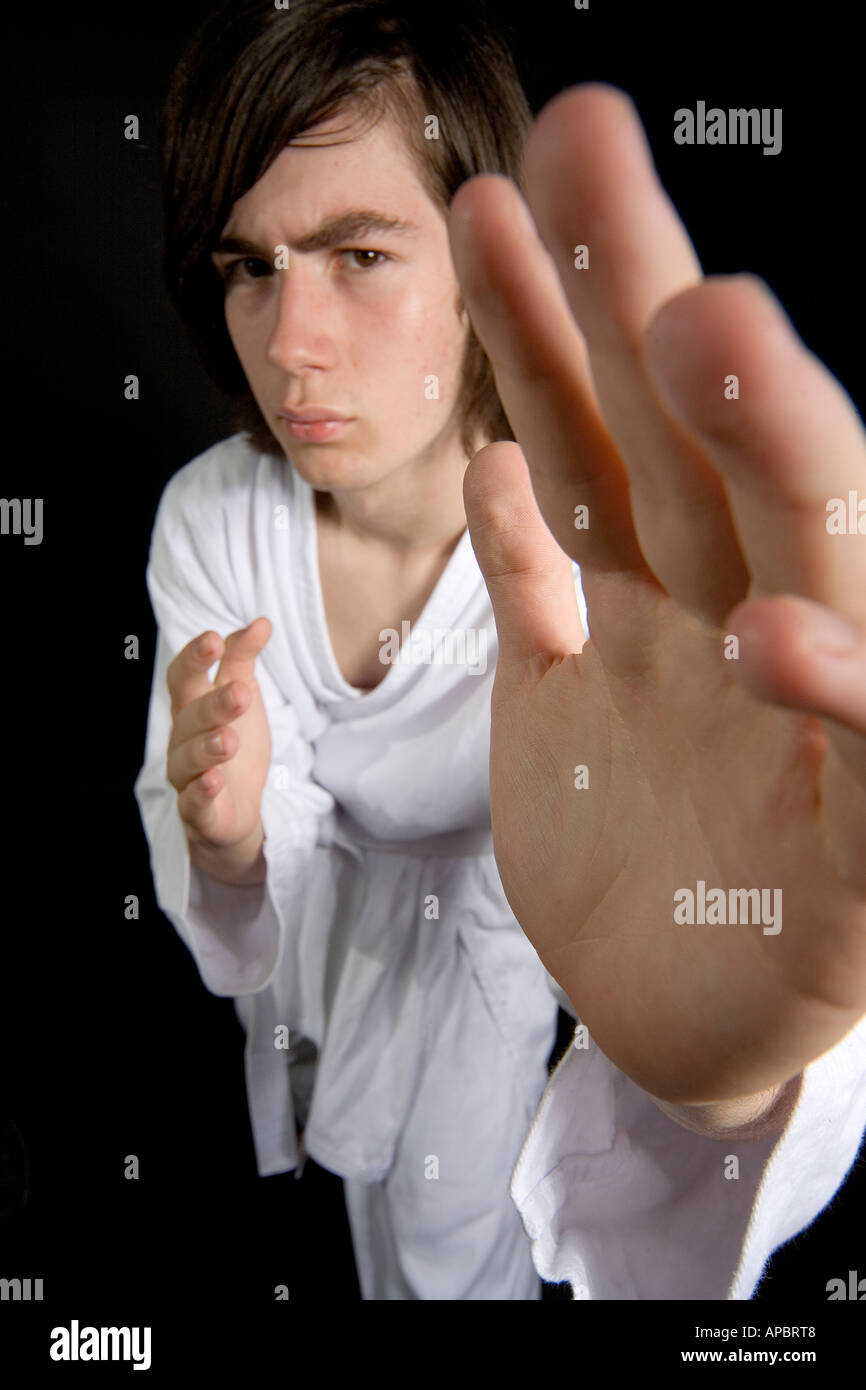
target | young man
[{"x": 330, "y": 866}]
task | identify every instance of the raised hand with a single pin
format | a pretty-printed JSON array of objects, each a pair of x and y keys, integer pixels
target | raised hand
[
  {"x": 718, "y": 711},
  {"x": 220, "y": 787}
]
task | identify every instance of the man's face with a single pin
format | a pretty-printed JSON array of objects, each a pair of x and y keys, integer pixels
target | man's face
[{"x": 357, "y": 326}]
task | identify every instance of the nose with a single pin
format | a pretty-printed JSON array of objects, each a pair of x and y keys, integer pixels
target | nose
[{"x": 300, "y": 336}]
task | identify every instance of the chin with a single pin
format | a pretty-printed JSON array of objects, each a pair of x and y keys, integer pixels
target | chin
[{"x": 327, "y": 470}]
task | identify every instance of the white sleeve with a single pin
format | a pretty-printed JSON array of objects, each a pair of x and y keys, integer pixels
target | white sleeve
[
  {"x": 560, "y": 996},
  {"x": 623, "y": 1203},
  {"x": 236, "y": 935}
]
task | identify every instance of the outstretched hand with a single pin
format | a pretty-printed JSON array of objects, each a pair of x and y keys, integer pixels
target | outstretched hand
[{"x": 710, "y": 737}]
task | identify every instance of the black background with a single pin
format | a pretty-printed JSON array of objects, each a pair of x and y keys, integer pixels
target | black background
[{"x": 111, "y": 1045}]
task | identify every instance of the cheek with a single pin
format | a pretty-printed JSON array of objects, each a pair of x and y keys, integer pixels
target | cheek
[
  {"x": 250, "y": 343},
  {"x": 421, "y": 337},
  {"x": 242, "y": 334}
]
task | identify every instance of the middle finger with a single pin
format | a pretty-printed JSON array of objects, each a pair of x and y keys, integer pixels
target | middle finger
[{"x": 209, "y": 713}]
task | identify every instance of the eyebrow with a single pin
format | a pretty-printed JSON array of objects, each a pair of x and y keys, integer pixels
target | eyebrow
[{"x": 346, "y": 226}]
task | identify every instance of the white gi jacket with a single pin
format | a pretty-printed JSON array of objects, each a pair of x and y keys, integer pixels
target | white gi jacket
[{"x": 381, "y": 881}]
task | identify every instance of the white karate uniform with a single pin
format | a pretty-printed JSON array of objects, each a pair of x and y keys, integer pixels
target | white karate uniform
[{"x": 382, "y": 943}]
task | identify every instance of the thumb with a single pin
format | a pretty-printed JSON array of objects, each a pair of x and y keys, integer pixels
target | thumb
[{"x": 529, "y": 578}]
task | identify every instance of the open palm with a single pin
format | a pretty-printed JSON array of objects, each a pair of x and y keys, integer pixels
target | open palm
[{"x": 683, "y": 446}]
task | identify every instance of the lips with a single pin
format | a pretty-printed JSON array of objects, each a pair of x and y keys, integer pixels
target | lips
[
  {"x": 315, "y": 431},
  {"x": 310, "y": 415}
]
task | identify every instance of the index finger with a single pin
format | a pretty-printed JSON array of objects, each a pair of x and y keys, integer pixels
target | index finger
[
  {"x": 519, "y": 312},
  {"x": 186, "y": 676},
  {"x": 241, "y": 652}
]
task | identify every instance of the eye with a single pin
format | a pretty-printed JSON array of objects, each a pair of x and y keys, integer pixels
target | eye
[
  {"x": 242, "y": 267},
  {"x": 231, "y": 270},
  {"x": 365, "y": 251}
]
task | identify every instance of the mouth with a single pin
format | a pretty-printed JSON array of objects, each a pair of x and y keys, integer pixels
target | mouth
[{"x": 315, "y": 431}]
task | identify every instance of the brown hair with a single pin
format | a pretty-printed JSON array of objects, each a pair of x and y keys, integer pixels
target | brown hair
[{"x": 254, "y": 78}]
